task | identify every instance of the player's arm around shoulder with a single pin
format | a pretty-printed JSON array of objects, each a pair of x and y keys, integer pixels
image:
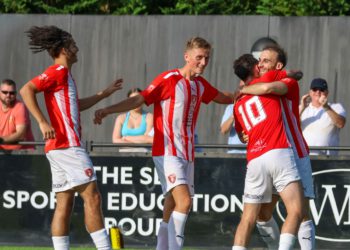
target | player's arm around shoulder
[
  {"x": 224, "y": 97},
  {"x": 278, "y": 88}
]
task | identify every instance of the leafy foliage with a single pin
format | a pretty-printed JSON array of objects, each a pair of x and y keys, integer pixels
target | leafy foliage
[{"x": 180, "y": 7}]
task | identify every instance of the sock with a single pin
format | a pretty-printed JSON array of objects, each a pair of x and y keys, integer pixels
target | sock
[
  {"x": 269, "y": 232},
  {"x": 60, "y": 242},
  {"x": 286, "y": 241},
  {"x": 176, "y": 228},
  {"x": 239, "y": 248},
  {"x": 306, "y": 235},
  {"x": 101, "y": 239},
  {"x": 162, "y": 237}
]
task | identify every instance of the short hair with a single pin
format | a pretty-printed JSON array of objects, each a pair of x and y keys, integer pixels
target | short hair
[
  {"x": 244, "y": 66},
  {"x": 133, "y": 90},
  {"x": 197, "y": 42},
  {"x": 281, "y": 54},
  {"x": 9, "y": 82},
  {"x": 50, "y": 38}
]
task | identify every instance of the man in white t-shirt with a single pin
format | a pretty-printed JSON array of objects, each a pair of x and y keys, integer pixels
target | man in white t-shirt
[{"x": 321, "y": 121}]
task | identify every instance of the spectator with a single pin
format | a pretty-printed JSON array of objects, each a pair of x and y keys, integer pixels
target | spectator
[
  {"x": 133, "y": 126},
  {"x": 321, "y": 121},
  {"x": 227, "y": 126},
  {"x": 14, "y": 118}
]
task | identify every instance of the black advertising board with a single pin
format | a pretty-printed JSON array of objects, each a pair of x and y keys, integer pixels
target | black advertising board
[{"x": 132, "y": 199}]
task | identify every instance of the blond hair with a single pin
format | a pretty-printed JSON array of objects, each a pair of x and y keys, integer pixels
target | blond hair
[{"x": 197, "y": 42}]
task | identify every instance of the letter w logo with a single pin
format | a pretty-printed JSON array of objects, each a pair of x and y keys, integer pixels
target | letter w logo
[{"x": 329, "y": 195}]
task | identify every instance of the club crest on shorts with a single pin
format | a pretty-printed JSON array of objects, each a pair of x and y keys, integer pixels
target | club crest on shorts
[
  {"x": 172, "y": 178},
  {"x": 88, "y": 172}
]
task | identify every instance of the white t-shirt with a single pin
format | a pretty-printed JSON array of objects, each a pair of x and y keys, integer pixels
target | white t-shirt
[{"x": 318, "y": 128}]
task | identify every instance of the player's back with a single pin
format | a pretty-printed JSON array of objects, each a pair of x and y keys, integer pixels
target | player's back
[{"x": 260, "y": 117}]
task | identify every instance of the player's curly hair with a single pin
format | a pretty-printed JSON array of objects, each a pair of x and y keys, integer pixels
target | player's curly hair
[
  {"x": 48, "y": 38},
  {"x": 244, "y": 66}
]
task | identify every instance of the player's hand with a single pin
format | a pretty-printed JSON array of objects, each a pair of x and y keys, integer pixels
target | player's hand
[
  {"x": 237, "y": 94},
  {"x": 323, "y": 100},
  {"x": 304, "y": 101},
  {"x": 99, "y": 115},
  {"x": 245, "y": 137},
  {"x": 296, "y": 74},
  {"x": 47, "y": 130},
  {"x": 116, "y": 85}
]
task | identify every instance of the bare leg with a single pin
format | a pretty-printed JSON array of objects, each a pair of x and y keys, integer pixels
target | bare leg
[
  {"x": 266, "y": 224},
  {"x": 177, "y": 221},
  {"x": 92, "y": 206},
  {"x": 61, "y": 218},
  {"x": 247, "y": 223},
  {"x": 293, "y": 198}
]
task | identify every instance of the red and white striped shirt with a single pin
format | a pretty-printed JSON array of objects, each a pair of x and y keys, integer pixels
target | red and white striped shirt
[
  {"x": 61, "y": 100},
  {"x": 290, "y": 105},
  {"x": 176, "y": 106}
]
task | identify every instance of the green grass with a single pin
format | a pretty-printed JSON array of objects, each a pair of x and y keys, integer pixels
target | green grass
[
  {"x": 72, "y": 248},
  {"x": 50, "y": 248},
  {"x": 45, "y": 248}
]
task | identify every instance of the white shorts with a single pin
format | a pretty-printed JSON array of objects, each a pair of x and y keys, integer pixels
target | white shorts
[
  {"x": 70, "y": 167},
  {"x": 266, "y": 172},
  {"x": 305, "y": 172},
  {"x": 173, "y": 171}
]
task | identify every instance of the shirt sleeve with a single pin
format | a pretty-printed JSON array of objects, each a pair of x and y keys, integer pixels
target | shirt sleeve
[
  {"x": 158, "y": 90},
  {"x": 209, "y": 91},
  {"x": 339, "y": 109},
  {"x": 293, "y": 88},
  {"x": 20, "y": 115},
  {"x": 51, "y": 80}
]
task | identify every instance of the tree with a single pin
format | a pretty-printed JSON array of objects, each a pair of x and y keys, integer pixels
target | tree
[{"x": 183, "y": 7}]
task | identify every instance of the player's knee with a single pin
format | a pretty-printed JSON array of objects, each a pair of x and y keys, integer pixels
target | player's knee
[
  {"x": 264, "y": 216},
  {"x": 93, "y": 200},
  {"x": 64, "y": 209},
  {"x": 185, "y": 204}
]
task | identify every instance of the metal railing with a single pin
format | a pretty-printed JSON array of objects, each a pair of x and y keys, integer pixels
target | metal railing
[{"x": 91, "y": 145}]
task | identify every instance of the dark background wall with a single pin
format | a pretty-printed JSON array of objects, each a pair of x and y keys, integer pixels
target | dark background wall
[
  {"x": 138, "y": 48},
  {"x": 131, "y": 199}
]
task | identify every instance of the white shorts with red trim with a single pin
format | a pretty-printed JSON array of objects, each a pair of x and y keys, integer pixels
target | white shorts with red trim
[
  {"x": 70, "y": 167},
  {"x": 173, "y": 171}
]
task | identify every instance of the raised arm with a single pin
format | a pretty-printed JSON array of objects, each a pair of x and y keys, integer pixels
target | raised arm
[
  {"x": 28, "y": 93},
  {"x": 125, "y": 105},
  {"x": 337, "y": 119},
  {"x": 86, "y": 103}
]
